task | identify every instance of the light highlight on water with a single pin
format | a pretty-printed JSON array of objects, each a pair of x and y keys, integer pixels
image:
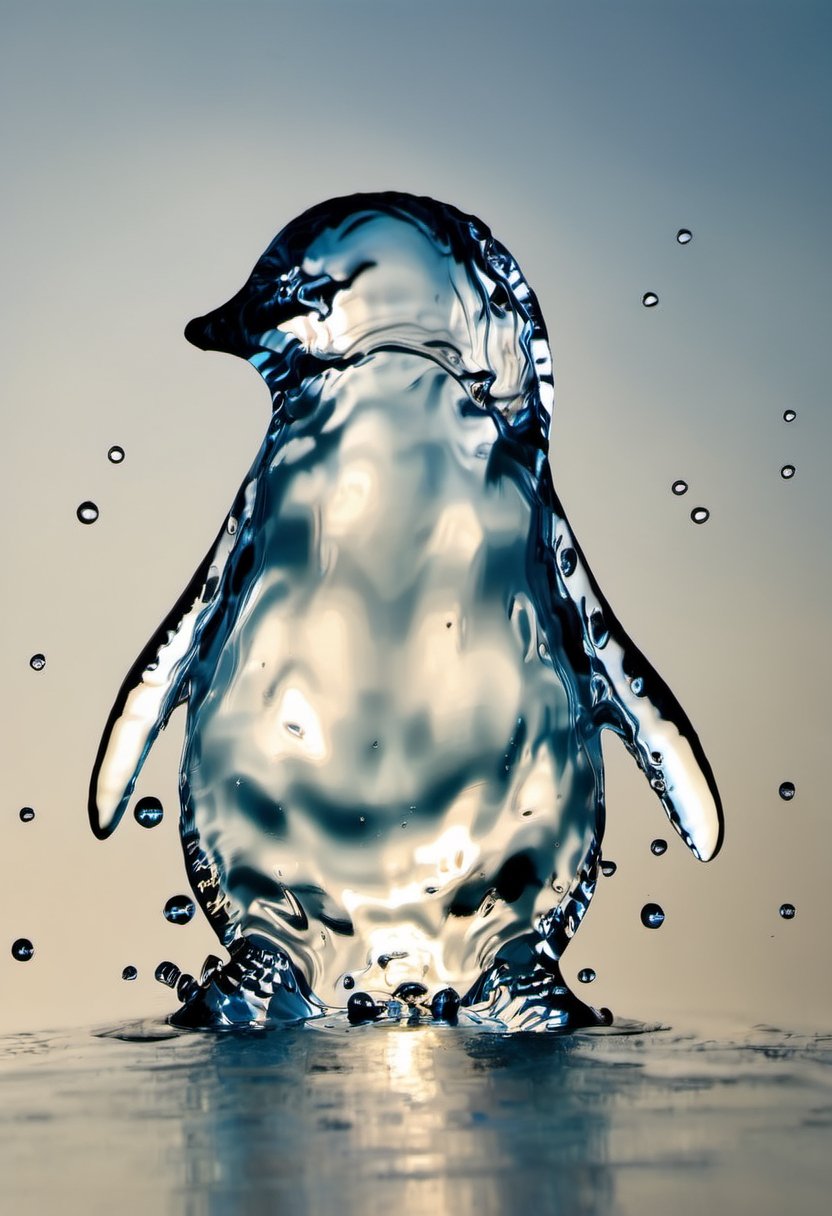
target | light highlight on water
[{"x": 395, "y": 629}]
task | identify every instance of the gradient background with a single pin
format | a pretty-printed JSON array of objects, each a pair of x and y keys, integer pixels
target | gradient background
[{"x": 151, "y": 151}]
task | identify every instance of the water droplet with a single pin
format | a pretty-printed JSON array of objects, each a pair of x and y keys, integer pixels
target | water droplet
[
  {"x": 37, "y": 662},
  {"x": 787, "y": 791},
  {"x": 787, "y": 911},
  {"x": 679, "y": 488},
  {"x": 608, "y": 868},
  {"x": 148, "y": 812},
  {"x": 375, "y": 743},
  {"x": 87, "y": 512},
  {"x": 115, "y": 454},
  {"x": 129, "y": 973},
  {"x": 568, "y": 561},
  {"x": 411, "y": 992},
  {"x": 684, "y": 236},
  {"x": 179, "y": 909},
  {"x": 362, "y": 1008},
  {"x": 652, "y": 916},
  {"x": 787, "y": 472},
  {"x": 349, "y": 982},
  {"x": 658, "y": 847},
  {"x": 649, "y": 299},
  {"x": 700, "y": 515},
  {"x": 587, "y": 975},
  {"x": 26, "y": 814},
  {"x": 167, "y": 973},
  {"x": 22, "y": 950},
  {"x": 186, "y": 987},
  {"x": 656, "y": 757},
  {"x": 637, "y": 686},
  {"x": 789, "y": 415}
]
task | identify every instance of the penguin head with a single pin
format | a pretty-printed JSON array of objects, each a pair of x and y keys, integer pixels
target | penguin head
[{"x": 391, "y": 271}]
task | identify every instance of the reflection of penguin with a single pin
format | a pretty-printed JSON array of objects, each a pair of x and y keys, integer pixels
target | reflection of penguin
[{"x": 396, "y": 662}]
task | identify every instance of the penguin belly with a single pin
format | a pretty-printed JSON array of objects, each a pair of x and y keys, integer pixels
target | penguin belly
[{"x": 384, "y": 767}]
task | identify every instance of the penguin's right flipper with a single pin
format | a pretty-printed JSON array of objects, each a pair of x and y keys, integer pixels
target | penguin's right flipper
[{"x": 157, "y": 682}]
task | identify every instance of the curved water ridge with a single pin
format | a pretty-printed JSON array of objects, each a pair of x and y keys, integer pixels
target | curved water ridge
[{"x": 396, "y": 662}]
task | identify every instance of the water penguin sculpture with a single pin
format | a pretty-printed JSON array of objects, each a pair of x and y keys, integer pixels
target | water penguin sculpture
[{"x": 396, "y": 662}]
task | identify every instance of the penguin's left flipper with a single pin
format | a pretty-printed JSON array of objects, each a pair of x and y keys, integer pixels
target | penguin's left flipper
[
  {"x": 632, "y": 699},
  {"x": 156, "y": 683}
]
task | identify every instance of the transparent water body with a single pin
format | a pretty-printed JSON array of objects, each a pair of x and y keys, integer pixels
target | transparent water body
[
  {"x": 428, "y": 1119},
  {"x": 396, "y": 662}
]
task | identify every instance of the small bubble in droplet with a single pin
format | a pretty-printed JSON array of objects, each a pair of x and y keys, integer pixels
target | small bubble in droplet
[
  {"x": 637, "y": 686},
  {"x": 679, "y": 487},
  {"x": 789, "y": 415},
  {"x": 787, "y": 911},
  {"x": 87, "y": 512},
  {"x": 684, "y": 236},
  {"x": 652, "y": 916},
  {"x": 22, "y": 950},
  {"x": 787, "y": 791},
  {"x": 658, "y": 847},
  {"x": 649, "y": 299},
  {"x": 179, "y": 909},
  {"x": 26, "y": 814},
  {"x": 37, "y": 662},
  {"x": 116, "y": 454},
  {"x": 608, "y": 868},
  {"x": 568, "y": 561},
  {"x": 700, "y": 515},
  {"x": 587, "y": 975},
  {"x": 787, "y": 472},
  {"x": 129, "y": 973}
]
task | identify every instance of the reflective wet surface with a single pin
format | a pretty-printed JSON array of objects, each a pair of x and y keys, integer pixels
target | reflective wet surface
[{"x": 422, "y": 1119}]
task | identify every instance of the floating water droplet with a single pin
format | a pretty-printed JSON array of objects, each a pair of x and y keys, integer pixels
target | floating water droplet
[
  {"x": 684, "y": 236},
  {"x": 789, "y": 415},
  {"x": 362, "y": 1008},
  {"x": 658, "y": 847},
  {"x": 37, "y": 662},
  {"x": 679, "y": 487},
  {"x": 649, "y": 299},
  {"x": 568, "y": 561},
  {"x": 587, "y": 975},
  {"x": 186, "y": 987},
  {"x": 652, "y": 916},
  {"x": 129, "y": 973},
  {"x": 26, "y": 814},
  {"x": 87, "y": 512},
  {"x": 349, "y": 982},
  {"x": 179, "y": 909},
  {"x": 608, "y": 868},
  {"x": 148, "y": 812},
  {"x": 787, "y": 472},
  {"x": 787, "y": 911},
  {"x": 115, "y": 454},
  {"x": 167, "y": 973},
  {"x": 787, "y": 791},
  {"x": 700, "y": 515},
  {"x": 22, "y": 950}
]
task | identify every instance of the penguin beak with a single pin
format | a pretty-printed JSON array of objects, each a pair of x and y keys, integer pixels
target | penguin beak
[{"x": 220, "y": 330}]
